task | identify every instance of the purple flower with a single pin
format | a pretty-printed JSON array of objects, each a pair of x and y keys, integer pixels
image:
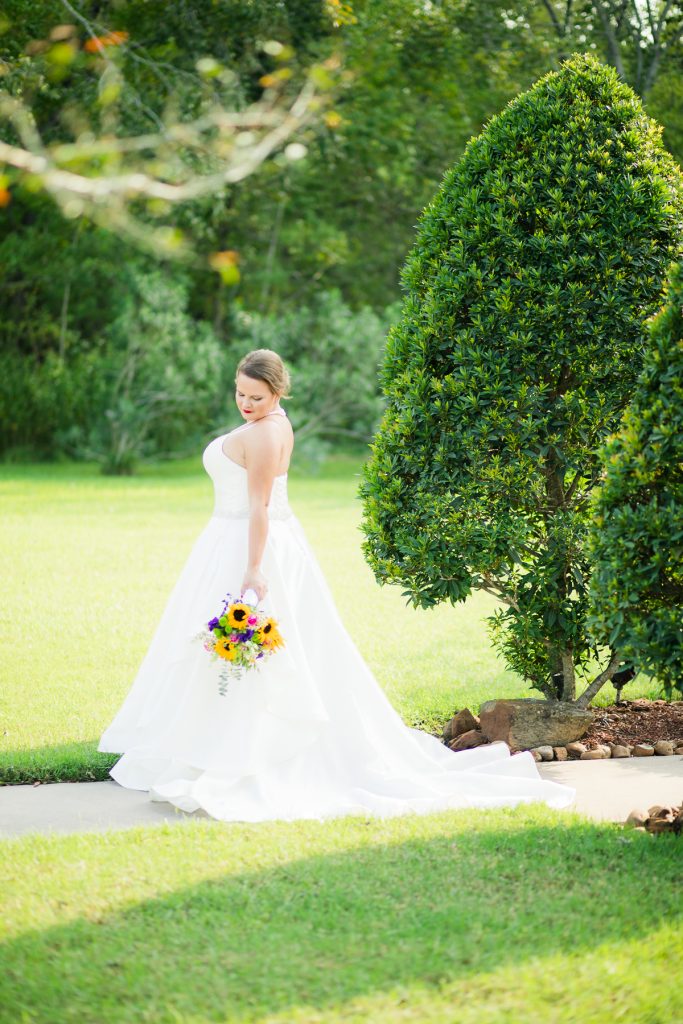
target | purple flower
[
  {"x": 213, "y": 623},
  {"x": 248, "y": 635}
]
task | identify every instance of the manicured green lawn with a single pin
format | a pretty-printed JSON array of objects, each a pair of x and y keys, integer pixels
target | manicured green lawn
[
  {"x": 480, "y": 917},
  {"x": 88, "y": 562},
  {"x": 513, "y": 915}
]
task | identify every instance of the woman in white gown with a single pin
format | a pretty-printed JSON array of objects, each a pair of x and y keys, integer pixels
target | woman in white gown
[{"x": 309, "y": 733}]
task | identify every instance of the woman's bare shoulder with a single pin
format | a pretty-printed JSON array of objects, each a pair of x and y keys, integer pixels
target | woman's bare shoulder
[
  {"x": 266, "y": 435},
  {"x": 276, "y": 426}
]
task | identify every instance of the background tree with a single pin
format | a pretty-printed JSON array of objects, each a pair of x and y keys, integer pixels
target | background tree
[
  {"x": 161, "y": 376},
  {"x": 209, "y": 134},
  {"x": 636, "y": 538},
  {"x": 637, "y": 38},
  {"x": 520, "y": 339},
  {"x": 415, "y": 83}
]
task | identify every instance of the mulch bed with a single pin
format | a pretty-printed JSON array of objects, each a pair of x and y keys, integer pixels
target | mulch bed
[{"x": 636, "y": 721}]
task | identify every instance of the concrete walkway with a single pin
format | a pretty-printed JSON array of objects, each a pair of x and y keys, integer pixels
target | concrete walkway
[
  {"x": 606, "y": 791},
  {"x": 609, "y": 790}
]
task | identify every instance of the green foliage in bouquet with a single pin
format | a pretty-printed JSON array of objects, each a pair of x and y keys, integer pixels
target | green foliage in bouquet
[
  {"x": 636, "y": 540},
  {"x": 520, "y": 340}
]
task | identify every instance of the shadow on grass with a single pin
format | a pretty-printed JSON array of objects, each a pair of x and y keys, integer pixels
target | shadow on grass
[
  {"x": 491, "y": 893},
  {"x": 59, "y": 762}
]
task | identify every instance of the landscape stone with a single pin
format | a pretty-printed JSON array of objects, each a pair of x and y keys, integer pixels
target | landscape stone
[
  {"x": 527, "y": 722},
  {"x": 560, "y": 753},
  {"x": 463, "y": 722},
  {"x": 546, "y": 752},
  {"x": 664, "y": 748},
  {"x": 597, "y": 753},
  {"x": 575, "y": 749},
  {"x": 657, "y": 825},
  {"x": 618, "y": 750},
  {"x": 637, "y": 818},
  {"x": 467, "y": 740},
  {"x": 643, "y": 750}
]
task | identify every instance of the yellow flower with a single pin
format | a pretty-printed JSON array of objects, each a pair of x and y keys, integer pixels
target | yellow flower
[
  {"x": 276, "y": 640},
  {"x": 265, "y": 629},
  {"x": 224, "y": 649},
  {"x": 238, "y": 615},
  {"x": 269, "y": 635}
]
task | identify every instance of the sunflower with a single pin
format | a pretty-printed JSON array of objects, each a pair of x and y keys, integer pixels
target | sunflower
[
  {"x": 265, "y": 629},
  {"x": 238, "y": 615},
  {"x": 276, "y": 640},
  {"x": 268, "y": 634},
  {"x": 224, "y": 649}
]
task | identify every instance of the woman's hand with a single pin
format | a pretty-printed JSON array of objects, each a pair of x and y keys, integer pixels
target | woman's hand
[{"x": 256, "y": 581}]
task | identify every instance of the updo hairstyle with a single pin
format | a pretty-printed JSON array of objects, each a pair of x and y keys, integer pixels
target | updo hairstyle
[{"x": 266, "y": 365}]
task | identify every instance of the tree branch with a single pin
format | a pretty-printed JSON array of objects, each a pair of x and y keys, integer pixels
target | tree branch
[
  {"x": 553, "y": 17},
  {"x": 569, "y": 494},
  {"x": 612, "y": 42},
  {"x": 40, "y": 161},
  {"x": 587, "y": 696}
]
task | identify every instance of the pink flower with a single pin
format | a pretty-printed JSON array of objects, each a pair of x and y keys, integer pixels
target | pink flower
[
  {"x": 252, "y": 620},
  {"x": 233, "y": 638}
]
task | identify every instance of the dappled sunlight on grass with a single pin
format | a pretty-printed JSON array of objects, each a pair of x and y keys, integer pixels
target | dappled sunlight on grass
[{"x": 354, "y": 920}]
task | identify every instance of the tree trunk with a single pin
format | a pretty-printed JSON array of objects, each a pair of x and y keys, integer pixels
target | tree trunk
[
  {"x": 599, "y": 681},
  {"x": 568, "y": 677}
]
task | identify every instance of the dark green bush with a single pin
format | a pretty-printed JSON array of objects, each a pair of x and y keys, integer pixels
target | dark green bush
[
  {"x": 161, "y": 380},
  {"x": 42, "y": 397},
  {"x": 519, "y": 343},
  {"x": 636, "y": 589}
]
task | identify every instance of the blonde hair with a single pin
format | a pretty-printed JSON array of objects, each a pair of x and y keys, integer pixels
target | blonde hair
[{"x": 266, "y": 365}]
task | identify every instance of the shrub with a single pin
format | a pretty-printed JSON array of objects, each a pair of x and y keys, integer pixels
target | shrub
[
  {"x": 519, "y": 343},
  {"x": 161, "y": 380},
  {"x": 636, "y": 592},
  {"x": 42, "y": 396}
]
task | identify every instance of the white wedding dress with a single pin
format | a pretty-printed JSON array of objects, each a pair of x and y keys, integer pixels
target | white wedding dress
[{"x": 309, "y": 733}]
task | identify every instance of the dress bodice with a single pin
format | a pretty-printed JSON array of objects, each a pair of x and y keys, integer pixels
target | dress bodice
[{"x": 230, "y": 486}]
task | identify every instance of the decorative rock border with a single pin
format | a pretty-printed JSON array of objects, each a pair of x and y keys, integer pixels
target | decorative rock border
[
  {"x": 657, "y": 820},
  {"x": 463, "y": 732},
  {"x": 578, "y": 751}
]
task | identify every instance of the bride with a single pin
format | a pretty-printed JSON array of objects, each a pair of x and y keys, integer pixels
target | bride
[{"x": 309, "y": 733}]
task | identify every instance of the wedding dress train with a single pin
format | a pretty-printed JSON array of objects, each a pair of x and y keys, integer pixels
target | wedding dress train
[{"x": 309, "y": 733}]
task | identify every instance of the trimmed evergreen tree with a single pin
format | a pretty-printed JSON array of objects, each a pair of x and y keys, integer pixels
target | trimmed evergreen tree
[
  {"x": 518, "y": 346},
  {"x": 636, "y": 541}
]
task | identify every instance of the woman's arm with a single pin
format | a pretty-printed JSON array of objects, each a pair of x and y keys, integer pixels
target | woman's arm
[{"x": 262, "y": 458}]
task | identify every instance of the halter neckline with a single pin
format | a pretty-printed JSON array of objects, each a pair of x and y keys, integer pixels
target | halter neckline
[{"x": 243, "y": 426}]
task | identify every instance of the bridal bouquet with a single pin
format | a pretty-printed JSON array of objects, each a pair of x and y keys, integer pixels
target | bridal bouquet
[{"x": 239, "y": 636}]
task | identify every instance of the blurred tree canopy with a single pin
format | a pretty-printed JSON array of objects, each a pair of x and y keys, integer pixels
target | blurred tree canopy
[{"x": 416, "y": 81}]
